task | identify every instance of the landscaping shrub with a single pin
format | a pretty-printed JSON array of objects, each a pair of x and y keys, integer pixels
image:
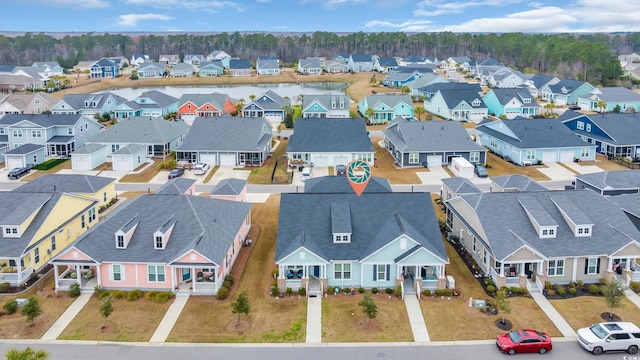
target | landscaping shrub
[
  {"x": 594, "y": 289},
  {"x": 227, "y": 284},
  {"x": 74, "y": 290},
  {"x": 439, "y": 292},
  {"x": 427, "y": 292},
  {"x": 274, "y": 291},
  {"x": 515, "y": 290},
  {"x": 134, "y": 295},
  {"x": 4, "y": 287},
  {"x": 10, "y": 306},
  {"x": 164, "y": 296},
  {"x": 491, "y": 288},
  {"x": 361, "y": 290},
  {"x": 302, "y": 291},
  {"x": 562, "y": 291},
  {"x": 104, "y": 293},
  {"x": 229, "y": 278},
  {"x": 388, "y": 291},
  {"x": 34, "y": 276},
  {"x": 524, "y": 291},
  {"x": 151, "y": 295},
  {"x": 572, "y": 285},
  {"x": 374, "y": 290},
  {"x": 223, "y": 293},
  {"x": 551, "y": 292},
  {"x": 446, "y": 292},
  {"x": 580, "y": 283},
  {"x": 289, "y": 291},
  {"x": 635, "y": 286},
  {"x": 547, "y": 285},
  {"x": 398, "y": 291},
  {"x": 489, "y": 282},
  {"x": 572, "y": 291},
  {"x": 118, "y": 294}
]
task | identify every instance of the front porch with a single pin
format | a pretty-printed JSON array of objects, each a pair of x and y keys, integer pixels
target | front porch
[
  {"x": 15, "y": 275},
  {"x": 524, "y": 274},
  {"x": 198, "y": 280},
  {"x": 418, "y": 278},
  {"x": 86, "y": 275}
]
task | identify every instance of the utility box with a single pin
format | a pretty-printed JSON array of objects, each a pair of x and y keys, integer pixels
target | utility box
[
  {"x": 451, "y": 283},
  {"x": 461, "y": 167}
]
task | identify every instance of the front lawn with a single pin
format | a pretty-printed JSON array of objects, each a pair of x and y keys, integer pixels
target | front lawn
[
  {"x": 500, "y": 167},
  {"x": 584, "y": 311},
  {"x": 384, "y": 167}
]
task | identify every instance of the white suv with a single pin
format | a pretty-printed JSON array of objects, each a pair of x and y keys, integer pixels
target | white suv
[{"x": 610, "y": 336}]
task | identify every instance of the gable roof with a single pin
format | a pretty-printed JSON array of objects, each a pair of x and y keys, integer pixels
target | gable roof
[
  {"x": 388, "y": 62},
  {"x": 460, "y": 185},
  {"x": 77, "y": 101},
  {"x": 530, "y": 134},
  {"x": 142, "y": 130},
  {"x": 428, "y": 136},
  {"x": 361, "y": 57},
  {"x": 540, "y": 80},
  {"x": 325, "y": 101},
  {"x": 88, "y": 149},
  {"x": 309, "y": 63},
  {"x": 229, "y": 186},
  {"x": 340, "y": 185},
  {"x": 269, "y": 100},
  {"x": 391, "y": 100},
  {"x": 237, "y": 64},
  {"x": 504, "y": 95},
  {"x": 227, "y": 133},
  {"x": 216, "y": 99},
  {"x": 24, "y": 149},
  {"x": 611, "y": 180},
  {"x": 330, "y": 135},
  {"x": 622, "y": 129},
  {"x": 267, "y": 64},
  {"x": 614, "y": 94},
  {"x": 69, "y": 183},
  {"x": 44, "y": 120},
  {"x": 176, "y": 186},
  {"x": 453, "y": 98},
  {"x": 435, "y": 87},
  {"x": 519, "y": 182},
  {"x": 569, "y": 85}
]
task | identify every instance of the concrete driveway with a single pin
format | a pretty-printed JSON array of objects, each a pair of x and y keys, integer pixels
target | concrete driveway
[
  {"x": 557, "y": 172},
  {"x": 583, "y": 169},
  {"x": 433, "y": 176}
]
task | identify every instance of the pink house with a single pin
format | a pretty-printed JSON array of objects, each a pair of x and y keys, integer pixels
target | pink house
[{"x": 163, "y": 241}]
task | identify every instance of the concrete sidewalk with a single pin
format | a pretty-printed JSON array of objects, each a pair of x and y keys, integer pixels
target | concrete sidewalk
[
  {"x": 314, "y": 320},
  {"x": 63, "y": 321},
  {"x": 633, "y": 297},
  {"x": 553, "y": 314},
  {"x": 416, "y": 319},
  {"x": 170, "y": 318}
]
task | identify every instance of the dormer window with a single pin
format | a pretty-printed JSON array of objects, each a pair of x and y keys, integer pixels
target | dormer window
[
  {"x": 547, "y": 232},
  {"x": 159, "y": 243},
  {"x": 120, "y": 244},
  {"x": 161, "y": 236},
  {"x": 583, "y": 231},
  {"x": 11, "y": 232},
  {"x": 86, "y": 104},
  {"x": 475, "y": 102},
  {"x": 526, "y": 100},
  {"x": 341, "y": 238},
  {"x": 333, "y": 104}
]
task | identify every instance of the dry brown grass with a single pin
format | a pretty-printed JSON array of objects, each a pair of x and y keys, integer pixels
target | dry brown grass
[
  {"x": 384, "y": 167},
  {"x": 130, "y": 321},
  {"x": 146, "y": 175},
  {"x": 271, "y": 320},
  {"x": 15, "y": 326},
  {"x": 341, "y": 314},
  {"x": 262, "y": 174},
  {"x": 605, "y": 164},
  {"x": 584, "y": 311},
  {"x": 37, "y": 173},
  {"x": 440, "y": 312},
  {"x": 210, "y": 174},
  {"x": 499, "y": 167}
]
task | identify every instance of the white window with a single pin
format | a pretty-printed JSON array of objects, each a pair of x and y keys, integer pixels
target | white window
[
  {"x": 1, "y": 131},
  {"x": 530, "y": 155},
  {"x": 156, "y": 273},
  {"x": 70, "y": 131},
  {"x": 485, "y": 258},
  {"x": 580, "y": 125},
  {"x": 414, "y": 158},
  {"x": 494, "y": 143},
  {"x": 381, "y": 272},
  {"x": 92, "y": 214},
  {"x": 474, "y": 157},
  {"x": 17, "y": 133},
  {"x": 591, "y": 267},
  {"x": 104, "y": 197},
  {"x": 82, "y": 221},
  {"x": 53, "y": 242},
  {"x": 584, "y": 152},
  {"x": 555, "y": 268},
  {"x": 115, "y": 147},
  {"x": 116, "y": 272},
  {"x": 342, "y": 271},
  {"x": 36, "y": 133},
  {"x": 159, "y": 243},
  {"x": 36, "y": 255},
  {"x": 120, "y": 241},
  {"x": 474, "y": 242},
  {"x": 588, "y": 127}
]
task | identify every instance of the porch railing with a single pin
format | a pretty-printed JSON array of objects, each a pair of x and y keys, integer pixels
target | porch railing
[
  {"x": 493, "y": 274},
  {"x": 419, "y": 290},
  {"x": 430, "y": 284},
  {"x": 513, "y": 281},
  {"x": 539, "y": 284},
  {"x": 635, "y": 276},
  {"x": 402, "y": 290},
  {"x": 204, "y": 286},
  {"x": 14, "y": 277}
]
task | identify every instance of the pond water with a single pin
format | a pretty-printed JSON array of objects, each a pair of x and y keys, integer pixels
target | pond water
[{"x": 241, "y": 91}]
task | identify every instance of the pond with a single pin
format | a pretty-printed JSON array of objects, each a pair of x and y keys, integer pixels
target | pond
[{"x": 292, "y": 91}]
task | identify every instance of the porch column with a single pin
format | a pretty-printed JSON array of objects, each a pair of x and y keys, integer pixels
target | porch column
[
  {"x": 19, "y": 268},
  {"x": 78, "y": 275},
  {"x": 521, "y": 272},
  {"x": 55, "y": 275},
  {"x": 501, "y": 269},
  {"x": 193, "y": 281},
  {"x": 417, "y": 273},
  {"x": 575, "y": 269},
  {"x": 98, "y": 274},
  {"x": 609, "y": 264}
]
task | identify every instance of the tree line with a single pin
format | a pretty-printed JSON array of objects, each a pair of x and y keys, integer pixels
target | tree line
[{"x": 590, "y": 57}]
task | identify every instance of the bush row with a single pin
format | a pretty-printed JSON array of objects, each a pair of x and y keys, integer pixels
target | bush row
[{"x": 160, "y": 297}]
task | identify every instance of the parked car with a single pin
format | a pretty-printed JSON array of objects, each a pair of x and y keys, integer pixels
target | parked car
[
  {"x": 201, "y": 169},
  {"x": 306, "y": 173},
  {"x": 175, "y": 173},
  {"x": 610, "y": 336},
  {"x": 17, "y": 173},
  {"x": 341, "y": 169},
  {"x": 524, "y": 341},
  {"x": 480, "y": 170},
  {"x": 574, "y": 107}
]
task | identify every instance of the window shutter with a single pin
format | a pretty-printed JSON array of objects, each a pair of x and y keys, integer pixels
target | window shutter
[
  {"x": 375, "y": 272},
  {"x": 598, "y": 266},
  {"x": 388, "y": 272},
  {"x": 586, "y": 265}
]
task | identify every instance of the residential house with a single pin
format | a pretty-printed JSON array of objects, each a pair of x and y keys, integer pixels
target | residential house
[
  {"x": 340, "y": 185},
  {"x": 386, "y": 107},
  {"x": 413, "y": 59},
  {"x": 455, "y": 62},
  {"x": 527, "y": 238},
  {"x": 399, "y": 79},
  {"x": 360, "y": 62},
  {"x": 129, "y": 157},
  {"x": 347, "y": 248},
  {"x": 191, "y": 106},
  {"x": 385, "y": 65},
  {"x": 104, "y": 69},
  {"x": 36, "y": 227},
  {"x": 457, "y": 104},
  {"x": 421, "y": 68},
  {"x": 211, "y": 68},
  {"x": 429, "y": 90},
  {"x": 425, "y": 80},
  {"x": 139, "y": 59},
  {"x": 10, "y": 82},
  {"x": 54, "y": 67},
  {"x": 227, "y": 141},
  {"x": 566, "y": 92},
  {"x": 326, "y": 106},
  {"x": 194, "y": 59},
  {"x": 181, "y": 70},
  {"x": 507, "y": 78},
  {"x": 29, "y": 103},
  {"x": 609, "y": 183},
  {"x": 628, "y": 58},
  {"x": 430, "y": 143},
  {"x": 268, "y": 67},
  {"x": 99, "y": 188},
  {"x": 483, "y": 69},
  {"x": 511, "y": 102},
  {"x": 219, "y": 55},
  {"x": 151, "y": 70},
  {"x": 537, "y": 82},
  {"x": 169, "y": 60},
  {"x": 88, "y": 104},
  {"x": 515, "y": 182},
  {"x": 24, "y": 156},
  {"x": 178, "y": 186},
  {"x": 526, "y": 142},
  {"x": 121, "y": 61},
  {"x": 614, "y": 135},
  {"x": 239, "y": 67},
  {"x": 151, "y": 103},
  {"x": 84, "y": 66},
  {"x": 269, "y": 105},
  {"x": 456, "y": 186},
  {"x": 616, "y": 99},
  {"x": 335, "y": 67},
  {"x": 330, "y": 142},
  {"x": 59, "y": 134},
  {"x": 343, "y": 57},
  {"x": 88, "y": 157},
  {"x": 230, "y": 189},
  {"x": 142, "y": 246},
  {"x": 158, "y": 136},
  {"x": 309, "y": 66}
]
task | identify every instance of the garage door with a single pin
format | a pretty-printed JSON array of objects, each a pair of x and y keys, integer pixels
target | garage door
[
  {"x": 320, "y": 161},
  {"x": 548, "y": 157},
  {"x": 566, "y": 156},
  {"x": 434, "y": 160},
  {"x": 228, "y": 159},
  {"x": 13, "y": 163},
  {"x": 273, "y": 117},
  {"x": 81, "y": 164},
  {"x": 341, "y": 160},
  {"x": 121, "y": 164},
  {"x": 209, "y": 159}
]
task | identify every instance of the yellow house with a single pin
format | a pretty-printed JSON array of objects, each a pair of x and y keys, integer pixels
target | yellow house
[
  {"x": 100, "y": 188},
  {"x": 36, "y": 226}
]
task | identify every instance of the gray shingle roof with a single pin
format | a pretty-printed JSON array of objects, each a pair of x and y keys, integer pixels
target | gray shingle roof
[
  {"x": 89, "y": 149},
  {"x": 267, "y": 64},
  {"x": 614, "y": 94},
  {"x": 142, "y": 130},
  {"x": 389, "y": 62},
  {"x": 568, "y": 84},
  {"x": 519, "y": 182},
  {"x": 270, "y": 100},
  {"x": 504, "y": 95},
  {"x": 540, "y": 80},
  {"x": 532, "y": 134},
  {"x": 434, "y": 88},
  {"x": 206, "y": 225},
  {"x": 630, "y": 203},
  {"x": 329, "y": 135},
  {"x": 44, "y": 120},
  {"x": 69, "y": 183},
  {"x": 374, "y": 101},
  {"x": 305, "y": 220},
  {"x": 77, "y": 101},
  {"x": 622, "y": 129},
  {"x": 24, "y": 149},
  {"x": 610, "y": 180},
  {"x": 427, "y": 136},
  {"x": 236, "y": 64},
  {"x": 309, "y": 63},
  {"x": 227, "y": 133},
  {"x": 176, "y": 186},
  {"x": 130, "y": 149},
  {"x": 216, "y": 99},
  {"x": 340, "y": 185},
  {"x": 229, "y": 187},
  {"x": 453, "y": 98},
  {"x": 361, "y": 58},
  {"x": 460, "y": 185},
  {"x": 325, "y": 101}
]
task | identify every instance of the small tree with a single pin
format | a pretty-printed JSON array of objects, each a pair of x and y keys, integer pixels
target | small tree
[
  {"x": 602, "y": 105},
  {"x": 613, "y": 292},
  {"x": 106, "y": 309},
  {"x": 419, "y": 111},
  {"x": 405, "y": 89},
  {"x": 502, "y": 302},
  {"x": 26, "y": 354},
  {"x": 241, "y": 305},
  {"x": 369, "y": 113},
  {"x": 369, "y": 307},
  {"x": 32, "y": 309}
]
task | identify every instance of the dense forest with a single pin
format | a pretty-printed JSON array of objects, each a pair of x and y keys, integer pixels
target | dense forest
[{"x": 591, "y": 57}]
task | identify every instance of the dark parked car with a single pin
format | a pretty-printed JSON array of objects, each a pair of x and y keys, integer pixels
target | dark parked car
[
  {"x": 524, "y": 341},
  {"x": 176, "y": 173},
  {"x": 574, "y": 107},
  {"x": 17, "y": 173},
  {"x": 341, "y": 169},
  {"x": 480, "y": 170}
]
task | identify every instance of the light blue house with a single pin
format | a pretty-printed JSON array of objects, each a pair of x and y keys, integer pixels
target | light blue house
[
  {"x": 457, "y": 104},
  {"x": 211, "y": 68},
  {"x": 151, "y": 70},
  {"x": 360, "y": 62},
  {"x": 88, "y": 104},
  {"x": 152, "y": 103},
  {"x": 512, "y": 102},
  {"x": 386, "y": 107},
  {"x": 345, "y": 247},
  {"x": 566, "y": 92},
  {"x": 527, "y": 142},
  {"x": 268, "y": 105},
  {"x": 618, "y": 99},
  {"x": 399, "y": 79}
]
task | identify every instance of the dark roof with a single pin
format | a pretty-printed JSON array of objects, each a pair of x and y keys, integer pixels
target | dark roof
[
  {"x": 429, "y": 136},
  {"x": 361, "y": 57},
  {"x": 216, "y": 99},
  {"x": 612, "y": 180},
  {"x": 460, "y": 185},
  {"x": 239, "y": 64},
  {"x": 24, "y": 149},
  {"x": 622, "y": 129},
  {"x": 307, "y": 220},
  {"x": 340, "y": 185},
  {"x": 176, "y": 186},
  {"x": 389, "y": 62},
  {"x": 142, "y": 130},
  {"x": 44, "y": 120},
  {"x": 434, "y": 88},
  {"x": 569, "y": 85},
  {"x": 77, "y": 101},
  {"x": 330, "y": 135},
  {"x": 505, "y": 95},
  {"x": 531, "y": 134},
  {"x": 519, "y": 182},
  {"x": 453, "y": 98},
  {"x": 227, "y": 133},
  {"x": 69, "y": 183},
  {"x": 228, "y": 187},
  {"x": 540, "y": 80}
]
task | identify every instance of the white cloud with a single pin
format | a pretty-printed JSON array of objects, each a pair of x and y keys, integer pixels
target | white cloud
[
  {"x": 76, "y": 3},
  {"x": 441, "y": 7},
  {"x": 334, "y": 4},
  {"x": 263, "y": 1},
  {"x": 195, "y": 5},
  {"x": 131, "y": 20}
]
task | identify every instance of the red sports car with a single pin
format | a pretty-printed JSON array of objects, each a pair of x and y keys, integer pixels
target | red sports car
[{"x": 524, "y": 341}]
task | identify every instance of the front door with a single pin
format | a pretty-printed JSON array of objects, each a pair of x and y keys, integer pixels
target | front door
[
  {"x": 186, "y": 274},
  {"x": 316, "y": 271},
  {"x": 530, "y": 270}
]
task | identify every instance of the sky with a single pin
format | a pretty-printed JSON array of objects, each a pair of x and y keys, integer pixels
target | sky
[{"x": 120, "y": 16}]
